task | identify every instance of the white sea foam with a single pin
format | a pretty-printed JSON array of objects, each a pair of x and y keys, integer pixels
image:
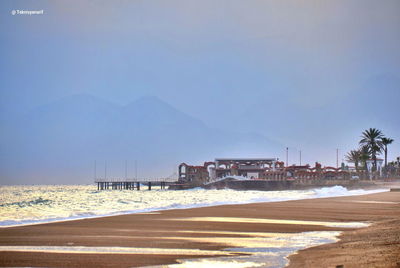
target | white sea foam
[
  {"x": 38, "y": 204},
  {"x": 269, "y": 250}
]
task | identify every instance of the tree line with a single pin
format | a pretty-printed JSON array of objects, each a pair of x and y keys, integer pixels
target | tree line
[{"x": 373, "y": 143}]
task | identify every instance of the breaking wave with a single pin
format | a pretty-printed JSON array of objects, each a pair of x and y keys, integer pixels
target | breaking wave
[
  {"x": 38, "y": 201},
  {"x": 39, "y": 204}
]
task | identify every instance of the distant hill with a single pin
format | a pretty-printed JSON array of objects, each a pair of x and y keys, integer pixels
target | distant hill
[{"x": 59, "y": 141}]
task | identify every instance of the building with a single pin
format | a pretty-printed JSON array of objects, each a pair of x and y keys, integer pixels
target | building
[{"x": 252, "y": 168}]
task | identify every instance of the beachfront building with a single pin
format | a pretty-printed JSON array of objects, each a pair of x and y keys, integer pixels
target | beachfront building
[
  {"x": 370, "y": 164},
  {"x": 195, "y": 175},
  {"x": 269, "y": 169},
  {"x": 253, "y": 168}
]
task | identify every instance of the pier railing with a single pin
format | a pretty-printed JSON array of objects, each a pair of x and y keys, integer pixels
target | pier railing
[
  {"x": 141, "y": 180},
  {"x": 131, "y": 184}
]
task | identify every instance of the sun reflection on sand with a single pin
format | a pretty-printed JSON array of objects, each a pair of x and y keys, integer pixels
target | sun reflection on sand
[
  {"x": 274, "y": 221},
  {"x": 266, "y": 249},
  {"x": 113, "y": 250},
  {"x": 206, "y": 263},
  {"x": 241, "y": 249},
  {"x": 375, "y": 202},
  {"x": 263, "y": 240}
]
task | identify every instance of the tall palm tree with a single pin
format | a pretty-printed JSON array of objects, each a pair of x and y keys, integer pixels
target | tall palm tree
[
  {"x": 372, "y": 139},
  {"x": 385, "y": 142},
  {"x": 354, "y": 157}
]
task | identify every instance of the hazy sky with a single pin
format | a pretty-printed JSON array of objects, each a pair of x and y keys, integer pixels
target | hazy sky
[{"x": 309, "y": 74}]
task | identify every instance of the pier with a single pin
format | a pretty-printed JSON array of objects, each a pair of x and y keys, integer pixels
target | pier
[{"x": 132, "y": 184}]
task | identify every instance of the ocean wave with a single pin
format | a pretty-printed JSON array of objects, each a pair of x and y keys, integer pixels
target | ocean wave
[
  {"x": 337, "y": 190},
  {"x": 40, "y": 204},
  {"x": 38, "y": 201}
]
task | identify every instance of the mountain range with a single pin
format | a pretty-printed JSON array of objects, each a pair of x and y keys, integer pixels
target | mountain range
[{"x": 61, "y": 140}]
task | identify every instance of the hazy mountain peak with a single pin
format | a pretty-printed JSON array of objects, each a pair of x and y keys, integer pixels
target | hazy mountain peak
[
  {"x": 151, "y": 102},
  {"x": 154, "y": 109},
  {"x": 80, "y": 128}
]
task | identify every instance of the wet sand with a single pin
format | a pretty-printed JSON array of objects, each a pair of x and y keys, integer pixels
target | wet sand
[{"x": 375, "y": 246}]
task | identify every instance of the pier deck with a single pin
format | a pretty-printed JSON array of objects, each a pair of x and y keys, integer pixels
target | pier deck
[{"x": 131, "y": 184}]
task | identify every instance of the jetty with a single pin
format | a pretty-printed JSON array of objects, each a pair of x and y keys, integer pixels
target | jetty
[{"x": 132, "y": 184}]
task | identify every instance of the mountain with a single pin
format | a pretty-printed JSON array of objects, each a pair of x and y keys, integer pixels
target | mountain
[{"x": 58, "y": 142}]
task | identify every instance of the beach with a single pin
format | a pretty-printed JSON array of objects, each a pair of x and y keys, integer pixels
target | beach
[{"x": 201, "y": 233}]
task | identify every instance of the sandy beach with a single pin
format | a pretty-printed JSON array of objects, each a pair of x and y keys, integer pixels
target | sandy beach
[{"x": 204, "y": 232}]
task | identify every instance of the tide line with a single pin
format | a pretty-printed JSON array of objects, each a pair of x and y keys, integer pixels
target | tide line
[{"x": 113, "y": 250}]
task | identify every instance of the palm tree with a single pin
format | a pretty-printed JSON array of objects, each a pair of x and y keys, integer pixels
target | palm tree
[
  {"x": 372, "y": 139},
  {"x": 364, "y": 156},
  {"x": 385, "y": 142},
  {"x": 354, "y": 157}
]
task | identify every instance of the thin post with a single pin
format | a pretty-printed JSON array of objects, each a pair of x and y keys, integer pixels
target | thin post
[
  {"x": 300, "y": 157},
  {"x": 95, "y": 170},
  {"x": 337, "y": 158},
  {"x": 287, "y": 156},
  {"x": 126, "y": 169},
  {"x": 105, "y": 170},
  {"x": 135, "y": 169}
]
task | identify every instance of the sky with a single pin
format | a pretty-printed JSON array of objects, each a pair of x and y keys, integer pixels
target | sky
[{"x": 309, "y": 74}]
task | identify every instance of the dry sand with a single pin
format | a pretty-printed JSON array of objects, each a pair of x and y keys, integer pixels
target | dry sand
[{"x": 375, "y": 246}]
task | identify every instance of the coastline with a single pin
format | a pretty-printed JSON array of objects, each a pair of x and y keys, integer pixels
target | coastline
[
  {"x": 375, "y": 246},
  {"x": 170, "y": 229},
  {"x": 78, "y": 208}
]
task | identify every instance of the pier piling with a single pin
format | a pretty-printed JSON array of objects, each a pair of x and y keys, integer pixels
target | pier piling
[{"x": 116, "y": 184}]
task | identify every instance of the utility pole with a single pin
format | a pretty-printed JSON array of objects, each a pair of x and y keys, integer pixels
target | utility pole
[
  {"x": 300, "y": 157},
  {"x": 105, "y": 170},
  {"x": 337, "y": 158},
  {"x": 95, "y": 170},
  {"x": 135, "y": 169},
  {"x": 126, "y": 169},
  {"x": 287, "y": 156}
]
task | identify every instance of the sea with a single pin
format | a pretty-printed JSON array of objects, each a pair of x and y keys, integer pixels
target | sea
[{"x": 22, "y": 205}]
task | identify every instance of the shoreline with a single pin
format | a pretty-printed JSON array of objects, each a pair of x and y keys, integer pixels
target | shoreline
[
  {"x": 30, "y": 222},
  {"x": 170, "y": 229},
  {"x": 377, "y": 245}
]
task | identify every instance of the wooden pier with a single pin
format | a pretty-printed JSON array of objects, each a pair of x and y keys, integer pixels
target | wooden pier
[{"x": 127, "y": 184}]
